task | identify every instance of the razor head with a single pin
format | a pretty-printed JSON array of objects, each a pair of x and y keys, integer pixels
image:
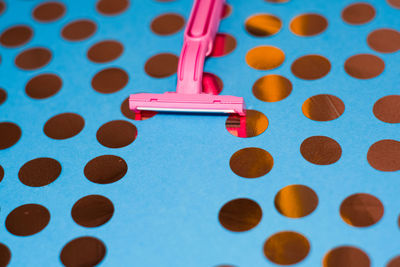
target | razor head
[{"x": 175, "y": 102}]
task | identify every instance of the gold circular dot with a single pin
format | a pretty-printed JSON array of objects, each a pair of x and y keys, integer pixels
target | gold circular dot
[
  {"x": 311, "y": 67},
  {"x": 253, "y": 124},
  {"x": 358, "y": 13},
  {"x": 223, "y": 45},
  {"x": 387, "y": 109},
  {"x": 272, "y": 88},
  {"x": 265, "y": 57},
  {"x": 384, "y": 155},
  {"x": 384, "y": 40},
  {"x": 251, "y": 162},
  {"x": 323, "y": 107},
  {"x": 364, "y": 66},
  {"x": 320, "y": 150},
  {"x": 346, "y": 256},
  {"x": 308, "y": 24},
  {"x": 167, "y": 24},
  {"x": 262, "y": 25}
]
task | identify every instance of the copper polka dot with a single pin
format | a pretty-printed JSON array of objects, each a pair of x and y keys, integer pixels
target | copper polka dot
[
  {"x": 395, "y": 262},
  {"x": 92, "y": 211},
  {"x": 43, "y": 86},
  {"x": 212, "y": 84},
  {"x": 105, "y": 169},
  {"x": 130, "y": 114},
  {"x": 110, "y": 80},
  {"x": 296, "y": 201},
  {"x": 39, "y": 172},
  {"x": 346, "y": 256},
  {"x": 384, "y": 155},
  {"x": 167, "y": 24},
  {"x": 49, "y": 11},
  {"x": 394, "y": 3},
  {"x": 239, "y": 215},
  {"x": 321, "y": 150},
  {"x": 364, "y": 66},
  {"x": 323, "y": 107},
  {"x": 10, "y": 133},
  {"x": 112, "y": 7},
  {"x": 251, "y": 162},
  {"x": 3, "y": 96},
  {"x": 5, "y": 253},
  {"x": 116, "y": 134},
  {"x": 78, "y": 30},
  {"x": 308, "y": 24},
  {"x": 16, "y": 36},
  {"x": 253, "y": 124},
  {"x": 272, "y": 88},
  {"x": 63, "y": 126},
  {"x": 265, "y": 57},
  {"x": 105, "y": 51},
  {"x": 311, "y": 67},
  {"x": 384, "y": 40},
  {"x": 2, "y": 7},
  {"x": 358, "y": 13},
  {"x": 387, "y": 109},
  {"x": 83, "y": 251},
  {"x": 27, "y": 219},
  {"x": 224, "y": 44},
  {"x": 226, "y": 11},
  {"x": 286, "y": 248},
  {"x": 161, "y": 65},
  {"x": 262, "y": 25},
  {"x": 33, "y": 58}
]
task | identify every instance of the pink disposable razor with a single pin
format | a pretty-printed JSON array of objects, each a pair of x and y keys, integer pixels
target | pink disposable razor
[{"x": 198, "y": 43}]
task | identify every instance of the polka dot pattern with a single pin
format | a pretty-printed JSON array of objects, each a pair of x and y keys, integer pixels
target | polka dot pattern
[
  {"x": 130, "y": 114},
  {"x": 33, "y": 58},
  {"x": 263, "y": 25},
  {"x": 311, "y": 67},
  {"x": 321, "y": 150},
  {"x": 16, "y": 36},
  {"x": 308, "y": 24},
  {"x": 116, "y": 134},
  {"x": 323, "y": 107},
  {"x": 27, "y": 219},
  {"x": 5, "y": 255},
  {"x": 64, "y": 126},
  {"x": 265, "y": 57},
  {"x": 364, "y": 66},
  {"x": 384, "y": 155},
  {"x": 387, "y": 109},
  {"x": 43, "y": 86},
  {"x": 358, "y": 13},
  {"x": 112, "y": 7},
  {"x": 3, "y": 96},
  {"x": 296, "y": 201},
  {"x": 272, "y": 88},
  {"x": 167, "y": 24},
  {"x": 346, "y": 256},
  {"x": 161, "y": 65},
  {"x": 78, "y": 30},
  {"x": 253, "y": 124},
  {"x": 110, "y": 80},
  {"x": 251, "y": 162},
  {"x": 49, "y": 11},
  {"x": 39, "y": 172},
  {"x": 10, "y": 133},
  {"x": 92, "y": 211},
  {"x": 384, "y": 40},
  {"x": 223, "y": 45},
  {"x": 105, "y": 169},
  {"x": 83, "y": 251},
  {"x": 105, "y": 51}
]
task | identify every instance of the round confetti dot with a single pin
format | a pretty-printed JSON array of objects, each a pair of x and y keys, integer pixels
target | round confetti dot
[
  {"x": 286, "y": 248},
  {"x": 387, "y": 109},
  {"x": 10, "y": 133},
  {"x": 161, "y": 65},
  {"x": 384, "y": 155},
  {"x": 262, "y": 25},
  {"x": 105, "y": 51},
  {"x": 39, "y": 172},
  {"x": 116, "y": 134},
  {"x": 384, "y": 40},
  {"x": 27, "y": 219},
  {"x": 394, "y": 3},
  {"x": 110, "y": 80},
  {"x": 272, "y": 88},
  {"x": 43, "y": 86},
  {"x": 358, "y": 13},
  {"x": 78, "y": 30},
  {"x": 2, "y": 7},
  {"x": 321, "y": 150},
  {"x": 395, "y": 262},
  {"x": 253, "y": 124},
  {"x": 212, "y": 84},
  {"x": 346, "y": 256},
  {"x": 3, "y": 96},
  {"x": 311, "y": 67},
  {"x": 83, "y": 251},
  {"x": 105, "y": 169},
  {"x": 33, "y": 58},
  {"x": 224, "y": 44},
  {"x": 240, "y": 215},
  {"x": 5, "y": 255},
  {"x": 92, "y": 211},
  {"x": 323, "y": 107},
  {"x": 1, "y": 173},
  {"x": 308, "y": 24},
  {"x": 167, "y": 24},
  {"x": 251, "y": 162},
  {"x": 16, "y": 36},
  {"x": 265, "y": 57},
  {"x": 112, "y": 7},
  {"x": 130, "y": 114},
  {"x": 296, "y": 201},
  {"x": 49, "y": 11},
  {"x": 64, "y": 126},
  {"x": 364, "y": 66},
  {"x": 226, "y": 11}
]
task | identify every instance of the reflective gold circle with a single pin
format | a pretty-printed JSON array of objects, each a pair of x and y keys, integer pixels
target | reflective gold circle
[
  {"x": 346, "y": 256},
  {"x": 358, "y": 13},
  {"x": 311, "y": 67},
  {"x": 323, "y": 107},
  {"x": 320, "y": 150},
  {"x": 384, "y": 40},
  {"x": 364, "y": 66},
  {"x": 262, "y": 25},
  {"x": 253, "y": 124},
  {"x": 387, "y": 109},
  {"x": 251, "y": 162},
  {"x": 223, "y": 45},
  {"x": 384, "y": 155},
  {"x": 272, "y": 88},
  {"x": 308, "y": 24},
  {"x": 265, "y": 57}
]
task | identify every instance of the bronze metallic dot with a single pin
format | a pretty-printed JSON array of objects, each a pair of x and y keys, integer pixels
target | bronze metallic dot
[
  {"x": 212, "y": 84},
  {"x": 239, "y": 215},
  {"x": 364, "y": 66},
  {"x": 296, "y": 201},
  {"x": 251, "y": 162},
  {"x": 83, "y": 251},
  {"x": 395, "y": 262},
  {"x": 384, "y": 155},
  {"x": 116, "y": 134},
  {"x": 10, "y": 133},
  {"x": 39, "y": 172},
  {"x": 323, "y": 107},
  {"x": 224, "y": 44},
  {"x": 167, "y": 24},
  {"x": 43, "y": 86},
  {"x": 2, "y": 7},
  {"x": 49, "y": 11},
  {"x": 226, "y": 11},
  {"x": 346, "y": 256},
  {"x": 110, "y": 80},
  {"x": 162, "y": 65},
  {"x": 78, "y": 30},
  {"x": 3, "y": 96},
  {"x": 1, "y": 173},
  {"x": 105, "y": 51},
  {"x": 272, "y": 88},
  {"x": 265, "y": 57},
  {"x": 5, "y": 253},
  {"x": 286, "y": 248},
  {"x": 384, "y": 40},
  {"x": 16, "y": 36},
  {"x": 33, "y": 58},
  {"x": 358, "y": 13},
  {"x": 27, "y": 219},
  {"x": 308, "y": 24},
  {"x": 92, "y": 211},
  {"x": 311, "y": 67},
  {"x": 262, "y": 25},
  {"x": 253, "y": 124},
  {"x": 130, "y": 114},
  {"x": 105, "y": 169},
  {"x": 321, "y": 150},
  {"x": 394, "y": 3},
  {"x": 64, "y": 126},
  {"x": 112, "y": 7},
  {"x": 387, "y": 109}
]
